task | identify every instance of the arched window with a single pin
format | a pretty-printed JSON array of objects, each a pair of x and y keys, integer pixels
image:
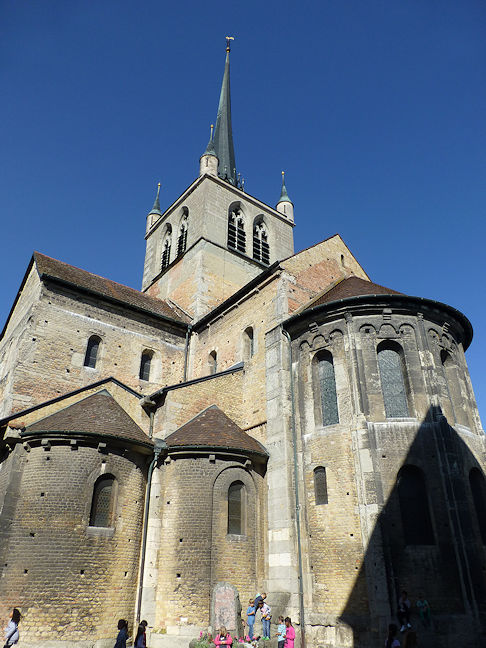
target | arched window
[
  {"x": 103, "y": 502},
  {"x": 390, "y": 363},
  {"x": 476, "y": 481},
  {"x": 414, "y": 507},
  {"x": 182, "y": 239},
  {"x": 236, "y": 508},
  {"x": 213, "y": 362},
  {"x": 326, "y": 388},
  {"x": 236, "y": 230},
  {"x": 166, "y": 247},
  {"x": 145, "y": 363},
  {"x": 261, "y": 249},
  {"x": 92, "y": 349},
  {"x": 320, "y": 485},
  {"x": 248, "y": 344}
]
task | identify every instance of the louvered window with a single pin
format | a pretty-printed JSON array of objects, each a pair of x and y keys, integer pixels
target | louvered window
[
  {"x": 261, "y": 249},
  {"x": 182, "y": 239},
  {"x": 236, "y": 231},
  {"x": 392, "y": 382},
  {"x": 165, "y": 255}
]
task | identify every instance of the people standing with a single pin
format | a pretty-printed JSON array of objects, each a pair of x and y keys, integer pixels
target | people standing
[
  {"x": 391, "y": 640},
  {"x": 423, "y": 608},
  {"x": 139, "y": 641},
  {"x": 403, "y": 613},
  {"x": 12, "y": 629},
  {"x": 266, "y": 613},
  {"x": 289, "y": 633},
  {"x": 121, "y": 639},
  {"x": 223, "y": 638},
  {"x": 281, "y": 632},
  {"x": 250, "y": 615}
]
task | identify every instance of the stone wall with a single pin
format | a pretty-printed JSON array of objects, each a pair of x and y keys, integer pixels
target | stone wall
[
  {"x": 69, "y": 580},
  {"x": 355, "y": 550},
  {"x": 52, "y": 345},
  {"x": 195, "y": 549}
]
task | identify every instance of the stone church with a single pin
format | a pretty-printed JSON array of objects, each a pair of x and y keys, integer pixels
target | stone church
[{"x": 269, "y": 419}]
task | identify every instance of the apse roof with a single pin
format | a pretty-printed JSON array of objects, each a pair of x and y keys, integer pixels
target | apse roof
[
  {"x": 212, "y": 428},
  {"x": 98, "y": 414},
  {"x": 54, "y": 269},
  {"x": 351, "y": 287}
]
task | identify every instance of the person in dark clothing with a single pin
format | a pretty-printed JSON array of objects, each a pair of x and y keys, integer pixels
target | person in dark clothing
[
  {"x": 121, "y": 639},
  {"x": 403, "y": 612}
]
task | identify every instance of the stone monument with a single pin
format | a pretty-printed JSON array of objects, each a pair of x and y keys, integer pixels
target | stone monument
[{"x": 226, "y": 609}]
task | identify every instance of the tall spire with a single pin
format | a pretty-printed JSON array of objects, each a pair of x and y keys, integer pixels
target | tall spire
[
  {"x": 156, "y": 208},
  {"x": 223, "y": 133}
]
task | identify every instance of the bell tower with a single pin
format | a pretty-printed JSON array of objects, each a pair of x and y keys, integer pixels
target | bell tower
[{"x": 215, "y": 237}]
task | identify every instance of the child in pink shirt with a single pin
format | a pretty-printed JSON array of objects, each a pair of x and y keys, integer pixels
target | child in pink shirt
[
  {"x": 289, "y": 633},
  {"x": 223, "y": 638}
]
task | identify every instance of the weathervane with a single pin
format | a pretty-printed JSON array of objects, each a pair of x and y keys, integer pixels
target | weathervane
[{"x": 228, "y": 39}]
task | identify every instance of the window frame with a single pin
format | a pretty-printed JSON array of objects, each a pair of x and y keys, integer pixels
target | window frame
[
  {"x": 242, "y": 509},
  {"x": 322, "y": 408},
  {"x": 88, "y": 355},
  {"x": 95, "y": 491},
  {"x": 320, "y": 470},
  {"x": 148, "y": 354},
  {"x": 397, "y": 349},
  {"x": 414, "y": 508}
]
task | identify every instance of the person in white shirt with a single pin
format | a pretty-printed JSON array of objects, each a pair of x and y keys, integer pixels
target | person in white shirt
[{"x": 12, "y": 629}]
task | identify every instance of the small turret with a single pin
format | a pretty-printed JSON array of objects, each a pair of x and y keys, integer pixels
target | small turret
[
  {"x": 155, "y": 213},
  {"x": 208, "y": 162},
  {"x": 285, "y": 206}
]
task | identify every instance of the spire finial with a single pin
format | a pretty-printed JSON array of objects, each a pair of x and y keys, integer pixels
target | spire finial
[
  {"x": 156, "y": 208},
  {"x": 284, "y": 196},
  {"x": 228, "y": 42},
  {"x": 210, "y": 147}
]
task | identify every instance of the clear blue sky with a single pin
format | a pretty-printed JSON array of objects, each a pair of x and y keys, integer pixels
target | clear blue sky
[{"x": 376, "y": 110}]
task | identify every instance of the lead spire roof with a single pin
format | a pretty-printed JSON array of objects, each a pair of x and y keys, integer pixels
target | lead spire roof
[{"x": 223, "y": 133}]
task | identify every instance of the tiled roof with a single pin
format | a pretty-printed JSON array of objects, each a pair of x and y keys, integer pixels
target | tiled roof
[
  {"x": 96, "y": 414},
  {"x": 352, "y": 287},
  {"x": 48, "y": 267},
  {"x": 212, "y": 428}
]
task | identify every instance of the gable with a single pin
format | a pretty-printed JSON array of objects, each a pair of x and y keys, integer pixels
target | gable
[{"x": 317, "y": 268}]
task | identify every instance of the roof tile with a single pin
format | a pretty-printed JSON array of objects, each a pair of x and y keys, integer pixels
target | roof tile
[
  {"x": 212, "y": 428},
  {"x": 351, "y": 287},
  {"x": 96, "y": 414},
  {"x": 55, "y": 269}
]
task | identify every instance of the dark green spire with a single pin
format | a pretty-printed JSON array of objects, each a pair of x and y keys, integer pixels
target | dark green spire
[
  {"x": 223, "y": 134},
  {"x": 210, "y": 147},
  {"x": 156, "y": 208},
  {"x": 284, "y": 196}
]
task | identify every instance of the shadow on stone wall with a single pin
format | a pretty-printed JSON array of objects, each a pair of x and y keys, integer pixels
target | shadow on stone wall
[{"x": 450, "y": 571}]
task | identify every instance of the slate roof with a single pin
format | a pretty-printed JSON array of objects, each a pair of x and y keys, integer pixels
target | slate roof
[
  {"x": 54, "y": 269},
  {"x": 213, "y": 429},
  {"x": 96, "y": 414},
  {"x": 352, "y": 287}
]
